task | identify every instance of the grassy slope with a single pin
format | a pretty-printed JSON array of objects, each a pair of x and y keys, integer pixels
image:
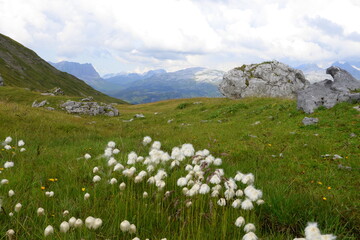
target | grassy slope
[
  {"x": 21, "y": 67},
  {"x": 292, "y": 192}
]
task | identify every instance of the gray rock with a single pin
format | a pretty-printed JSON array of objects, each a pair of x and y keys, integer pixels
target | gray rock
[
  {"x": 89, "y": 108},
  {"x": 352, "y": 135},
  {"x": 39, "y": 104},
  {"x": 57, "y": 91},
  {"x": 139, "y": 115},
  {"x": 50, "y": 108},
  {"x": 268, "y": 79},
  {"x": 1, "y": 81},
  {"x": 310, "y": 121},
  {"x": 328, "y": 93},
  {"x": 87, "y": 99}
]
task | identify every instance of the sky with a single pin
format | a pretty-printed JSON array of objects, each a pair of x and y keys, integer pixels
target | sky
[{"x": 140, "y": 35}]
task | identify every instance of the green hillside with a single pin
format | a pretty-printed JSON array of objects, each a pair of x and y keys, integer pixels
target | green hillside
[
  {"x": 261, "y": 136},
  {"x": 21, "y": 67}
]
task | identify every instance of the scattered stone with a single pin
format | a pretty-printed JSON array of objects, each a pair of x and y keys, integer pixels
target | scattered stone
[
  {"x": 357, "y": 108},
  {"x": 220, "y": 121},
  {"x": 196, "y": 103},
  {"x": 47, "y": 94},
  {"x": 256, "y": 123},
  {"x": 57, "y": 91},
  {"x": 170, "y": 120},
  {"x": 281, "y": 155},
  {"x": 335, "y": 157},
  {"x": 310, "y": 121},
  {"x": 204, "y": 121},
  {"x": 50, "y": 108},
  {"x": 92, "y": 122},
  {"x": 267, "y": 79},
  {"x": 139, "y": 115},
  {"x": 156, "y": 113},
  {"x": 292, "y": 133},
  {"x": 1, "y": 81},
  {"x": 90, "y": 108},
  {"x": 340, "y": 166},
  {"x": 352, "y": 135},
  {"x": 252, "y": 136},
  {"x": 87, "y": 99},
  {"x": 39, "y": 104},
  {"x": 271, "y": 117},
  {"x": 316, "y": 134},
  {"x": 130, "y": 120},
  {"x": 328, "y": 93}
]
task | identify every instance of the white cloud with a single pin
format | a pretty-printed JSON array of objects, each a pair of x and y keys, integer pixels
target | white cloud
[{"x": 142, "y": 34}]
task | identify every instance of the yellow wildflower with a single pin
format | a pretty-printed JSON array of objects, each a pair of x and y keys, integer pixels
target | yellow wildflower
[
  {"x": 51, "y": 179},
  {"x": 269, "y": 144},
  {"x": 42, "y": 188},
  {"x": 328, "y": 188},
  {"x": 320, "y": 183},
  {"x": 83, "y": 189},
  {"x": 324, "y": 198}
]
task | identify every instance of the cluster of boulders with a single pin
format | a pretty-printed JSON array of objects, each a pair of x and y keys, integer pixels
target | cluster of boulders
[
  {"x": 90, "y": 108},
  {"x": 54, "y": 92},
  {"x": 1, "y": 81},
  {"x": 275, "y": 79}
]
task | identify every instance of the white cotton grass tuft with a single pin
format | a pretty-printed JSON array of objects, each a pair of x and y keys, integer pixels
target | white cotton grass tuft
[
  {"x": 215, "y": 179},
  {"x": 8, "y": 164},
  {"x": 122, "y": 186},
  {"x": 21, "y": 143},
  {"x": 312, "y": 231},
  {"x": 78, "y": 223},
  {"x": 146, "y": 140},
  {"x": 187, "y": 150},
  {"x": 18, "y": 207},
  {"x": 8, "y": 140},
  {"x": 72, "y": 221},
  {"x": 64, "y": 227},
  {"x": 49, "y": 194},
  {"x": 239, "y": 221},
  {"x": 22, "y": 150},
  {"x": 182, "y": 181},
  {"x": 113, "y": 181},
  {"x": 217, "y": 162},
  {"x": 145, "y": 194},
  {"x": 156, "y": 145},
  {"x": 48, "y": 230},
  {"x": 221, "y": 202},
  {"x": 96, "y": 178},
  {"x": 118, "y": 167},
  {"x": 250, "y": 236},
  {"x": 11, "y": 193},
  {"x": 4, "y": 181},
  {"x": 93, "y": 223},
  {"x": 111, "y": 144},
  {"x": 7, "y": 147},
  {"x": 328, "y": 237},
  {"x": 65, "y": 213},
  {"x": 86, "y": 196},
  {"x": 204, "y": 189},
  {"x": 236, "y": 203},
  {"x": 116, "y": 151},
  {"x": 87, "y": 156},
  {"x": 249, "y": 228},
  {"x": 125, "y": 226},
  {"x": 248, "y": 179},
  {"x": 40, "y": 211},
  {"x": 252, "y": 193},
  {"x": 247, "y": 205},
  {"x": 132, "y": 158},
  {"x": 132, "y": 229},
  {"x": 10, "y": 233},
  {"x": 112, "y": 162}
]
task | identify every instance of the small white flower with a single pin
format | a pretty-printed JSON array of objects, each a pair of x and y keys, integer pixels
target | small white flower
[
  {"x": 112, "y": 161},
  {"x": 312, "y": 231},
  {"x": 221, "y": 202},
  {"x": 215, "y": 193},
  {"x": 11, "y": 193},
  {"x": 78, "y": 223},
  {"x": 249, "y": 228},
  {"x": 113, "y": 181},
  {"x": 8, "y": 164},
  {"x": 96, "y": 178},
  {"x": 8, "y": 140},
  {"x": 132, "y": 229},
  {"x": 49, "y": 194},
  {"x": 125, "y": 226},
  {"x": 122, "y": 186},
  {"x": 40, "y": 211},
  {"x": 138, "y": 179},
  {"x": 64, "y": 227},
  {"x": 108, "y": 152},
  {"x": 132, "y": 158},
  {"x": 239, "y": 193},
  {"x": 146, "y": 140},
  {"x": 239, "y": 221},
  {"x": 86, "y": 196},
  {"x": 248, "y": 179},
  {"x": 229, "y": 194},
  {"x": 238, "y": 176},
  {"x": 87, "y": 156},
  {"x": 18, "y": 207},
  {"x": 48, "y": 230},
  {"x": 4, "y": 181},
  {"x": 21, "y": 143}
]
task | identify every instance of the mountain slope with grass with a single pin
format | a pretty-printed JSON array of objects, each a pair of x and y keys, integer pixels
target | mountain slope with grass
[
  {"x": 295, "y": 166},
  {"x": 21, "y": 67}
]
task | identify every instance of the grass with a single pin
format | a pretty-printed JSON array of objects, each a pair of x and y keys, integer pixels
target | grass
[{"x": 294, "y": 186}]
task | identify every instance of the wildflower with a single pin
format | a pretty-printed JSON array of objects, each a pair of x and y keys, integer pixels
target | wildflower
[
  {"x": 250, "y": 236},
  {"x": 111, "y": 144},
  {"x": 118, "y": 167},
  {"x": 249, "y": 227},
  {"x": 247, "y": 205},
  {"x": 215, "y": 179},
  {"x": 217, "y": 162},
  {"x": 150, "y": 168},
  {"x": 7, "y": 147},
  {"x": 125, "y": 226},
  {"x": 11, "y": 193},
  {"x": 113, "y": 181},
  {"x": 239, "y": 221},
  {"x": 65, "y": 213},
  {"x": 248, "y": 179},
  {"x": 72, "y": 221},
  {"x": 51, "y": 179},
  {"x": 8, "y": 140},
  {"x": 116, "y": 151},
  {"x": 22, "y": 150},
  {"x": 145, "y": 195},
  {"x": 78, "y": 223},
  {"x": 96, "y": 178},
  {"x": 64, "y": 227},
  {"x": 48, "y": 230},
  {"x": 236, "y": 203},
  {"x": 324, "y": 198},
  {"x": 204, "y": 189},
  {"x": 328, "y": 188},
  {"x": 40, "y": 211},
  {"x": 156, "y": 145},
  {"x": 312, "y": 231},
  {"x": 136, "y": 238},
  {"x": 182, "y": 182},
  {"x": 4, "y": 181},
  {"x": 18, "y": 207},
  {"x": 87, "y": 156},
  {"x": 146, "y": 140},
  {"x": 8, "y": 164},
  {"x": 132, "y": 229},
  {"x": 122, "y": 186},
  {"x": 42, "y": 188},
  {"x": 160, "y": 184},
  {"x": 10, "y": 233},
  {"x": 320, "y": 183},
  {"x": 221, "y": 202},
  {"x": 139, "y": 159},
  {"x": 86, "y": 196},
  {"x": 129, "y": 172}
]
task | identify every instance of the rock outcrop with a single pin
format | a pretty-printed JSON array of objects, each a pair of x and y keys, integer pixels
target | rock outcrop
[
  {"x": 328, "y": 93},
  {"x": 268, "y": 79},
  {"x": 90, "y": 108},
  {"x": 37, "y": 104},
  {"x": 1, "y": 81}
]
